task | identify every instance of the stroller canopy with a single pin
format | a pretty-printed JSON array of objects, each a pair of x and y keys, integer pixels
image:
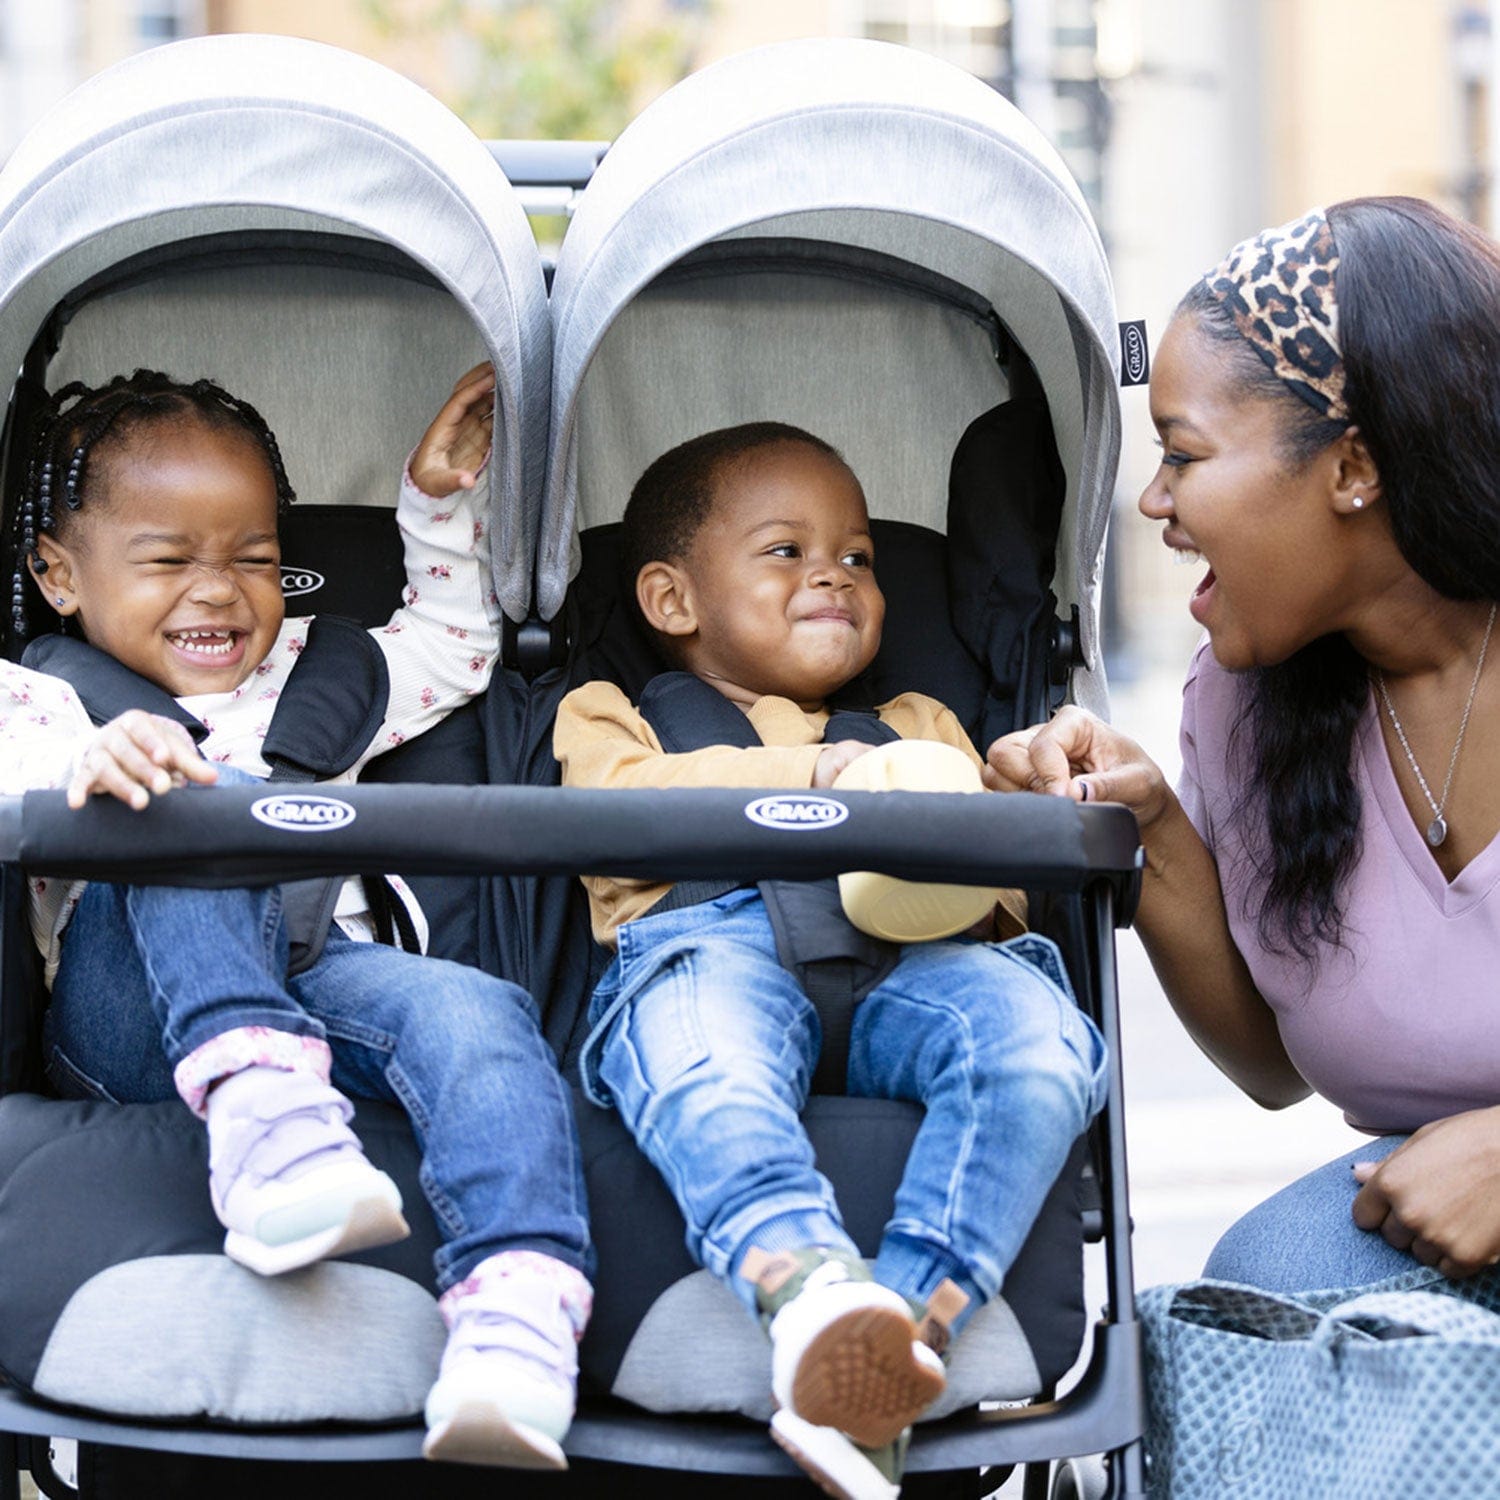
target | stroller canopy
[
  {"x": 230, "y": 135},
  {"x": 922, "y": 179}
]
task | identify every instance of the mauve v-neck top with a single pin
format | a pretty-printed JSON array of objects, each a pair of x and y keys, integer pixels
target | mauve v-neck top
[{"x": 1402, "y": 1024}]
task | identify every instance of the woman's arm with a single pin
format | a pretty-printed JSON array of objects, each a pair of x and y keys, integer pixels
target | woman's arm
[{"x": 1182, "y": 919}]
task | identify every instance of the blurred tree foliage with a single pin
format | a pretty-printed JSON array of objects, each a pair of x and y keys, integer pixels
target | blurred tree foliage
[{"x": 551, "y": 69}]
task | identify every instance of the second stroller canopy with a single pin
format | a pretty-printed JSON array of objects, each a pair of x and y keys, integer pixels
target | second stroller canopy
[{"x": 897, "y": 177}]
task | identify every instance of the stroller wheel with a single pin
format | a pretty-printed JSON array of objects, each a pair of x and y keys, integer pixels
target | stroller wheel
[{"x": 1081, "y": 1479}]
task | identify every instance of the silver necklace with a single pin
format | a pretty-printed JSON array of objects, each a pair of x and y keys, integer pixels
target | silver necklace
[{"x": 1437, "y": 830}]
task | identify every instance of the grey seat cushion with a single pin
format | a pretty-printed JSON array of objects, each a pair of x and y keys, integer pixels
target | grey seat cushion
[
  {"x": 116, "y": 1298},
  {"x": 698, "y": 1350},
  {"x": 336, "y": 1341}
]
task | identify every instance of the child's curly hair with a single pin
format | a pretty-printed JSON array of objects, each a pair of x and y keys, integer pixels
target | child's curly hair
[
  {"x": 80, "y": 420},
  {"x": 673, "y": 498}
]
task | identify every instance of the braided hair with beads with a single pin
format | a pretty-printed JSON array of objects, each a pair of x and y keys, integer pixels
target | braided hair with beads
[{"x": 80, "y": 420}]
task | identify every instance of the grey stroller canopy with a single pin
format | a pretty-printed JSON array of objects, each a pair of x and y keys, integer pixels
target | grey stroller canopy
[
  {"x": 914, "y": 178},
  {"x": 246, "y": 135}
]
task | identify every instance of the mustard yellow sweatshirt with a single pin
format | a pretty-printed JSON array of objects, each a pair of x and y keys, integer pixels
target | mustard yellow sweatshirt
[{"x": 601, "y": 740}]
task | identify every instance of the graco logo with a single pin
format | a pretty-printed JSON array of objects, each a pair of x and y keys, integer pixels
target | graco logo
[
  {"x": 1135, "y": 356},
  {"x": 796, "y": 812},
  {"x": 296, "y": 581},
  {"x": 299, "y": 814}
]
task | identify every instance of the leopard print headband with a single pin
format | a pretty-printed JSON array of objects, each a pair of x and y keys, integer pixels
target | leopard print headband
[{"x": 1279, "y": 288}]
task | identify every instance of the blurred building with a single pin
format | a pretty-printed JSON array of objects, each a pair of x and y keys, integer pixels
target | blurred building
[{"x": 1188, "y": 123}]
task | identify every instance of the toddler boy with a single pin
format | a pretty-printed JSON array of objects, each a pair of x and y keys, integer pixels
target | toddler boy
[{"x": 753, "y": 565}]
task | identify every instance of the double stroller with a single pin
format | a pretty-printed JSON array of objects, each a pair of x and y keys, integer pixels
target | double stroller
[{"x": 847, "y": 236}]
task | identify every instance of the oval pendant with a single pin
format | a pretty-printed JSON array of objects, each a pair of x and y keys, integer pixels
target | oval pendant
[{"x": 1437, "y": 831}]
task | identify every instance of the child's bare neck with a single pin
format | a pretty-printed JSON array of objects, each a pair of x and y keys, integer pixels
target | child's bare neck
[{"x": 746, "y": 698}]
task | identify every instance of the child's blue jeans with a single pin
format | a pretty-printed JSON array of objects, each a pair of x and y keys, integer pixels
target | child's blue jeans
[
  {"x": 707, "y": 1046},
  {"x": 150, "y": 973}
]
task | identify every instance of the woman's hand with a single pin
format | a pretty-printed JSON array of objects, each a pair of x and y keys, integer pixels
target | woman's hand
[
  {"x": 453, "y": 449},
  {"x": 1181, "y": 918},
  {"x": 136, "y": 756},
  {"x": 1438, "y": 1194},
  {"x": 1080, "y": 756}
]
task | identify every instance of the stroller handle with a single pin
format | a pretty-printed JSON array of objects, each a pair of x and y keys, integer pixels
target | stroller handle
[{"x": 241, "y": 835}]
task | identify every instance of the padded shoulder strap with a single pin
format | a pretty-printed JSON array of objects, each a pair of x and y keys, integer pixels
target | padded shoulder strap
[
  {"x": 858, "y": 724},
  {"x": 688, "y": 714},
  {"x": 332, "y": 704},
  {"x": 106, "y": 688},
  {"x": 330, "y": 709}
]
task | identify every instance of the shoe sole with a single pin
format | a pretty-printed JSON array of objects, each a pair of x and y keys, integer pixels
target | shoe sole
[
  {"x": 368, "y": 1222},
  {"x": 860, "y": 1374},
  {"x": 828, "y": 1461},
  {"x": 478, "y": 1433}
]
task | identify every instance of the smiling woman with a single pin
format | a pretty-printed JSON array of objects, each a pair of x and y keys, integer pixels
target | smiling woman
[{"x": 1322, "y": 898}]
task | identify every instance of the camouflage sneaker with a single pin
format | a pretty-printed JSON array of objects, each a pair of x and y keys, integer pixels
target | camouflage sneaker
[
  {"x": 837, "y": 1464},
  {"x": 844, "y": 1351},
  {"x": 935, "y": 1318}
]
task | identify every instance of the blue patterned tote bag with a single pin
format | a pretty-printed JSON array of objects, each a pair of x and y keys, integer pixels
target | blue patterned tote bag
[{"x": 1388, "y": 1389}]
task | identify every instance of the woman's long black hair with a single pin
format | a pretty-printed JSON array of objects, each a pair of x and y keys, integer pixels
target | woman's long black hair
[{"x": 1419, "y": 320}]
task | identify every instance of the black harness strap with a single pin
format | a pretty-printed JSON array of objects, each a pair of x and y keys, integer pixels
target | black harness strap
[
  {"x": 329, "y": 711},
  {"x": 333, "y": 703},
  {"x": 836, "y": 964},
  {"x": 105, "y": 688}
]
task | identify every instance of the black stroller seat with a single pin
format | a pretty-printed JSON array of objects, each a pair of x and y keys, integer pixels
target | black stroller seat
[{"x": 809, "y": 233}]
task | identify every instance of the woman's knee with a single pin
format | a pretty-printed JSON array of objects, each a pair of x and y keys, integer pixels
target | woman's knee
[{"x": 1304, "y": 1237}]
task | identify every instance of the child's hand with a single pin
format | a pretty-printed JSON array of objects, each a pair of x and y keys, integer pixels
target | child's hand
[
  {"x": 834, "y": 758},
  {"x": 136, "y": 755},
  {"x": 453, "y": 448}
]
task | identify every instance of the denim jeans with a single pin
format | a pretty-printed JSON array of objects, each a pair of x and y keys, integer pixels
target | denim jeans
[
  {"x": 150, "y": 973},
  {"x": 1304, "y": 1238},
  {"x": 706, "y": 1045}
]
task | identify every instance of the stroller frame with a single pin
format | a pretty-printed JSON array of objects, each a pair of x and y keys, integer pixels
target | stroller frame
[
  {"x": 551, "y": 832},
  {"x": 1095, "y": 882}
]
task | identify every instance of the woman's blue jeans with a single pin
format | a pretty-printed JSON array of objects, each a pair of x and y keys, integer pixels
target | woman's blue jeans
[
  {"x": 707, "y": 1046},
  {"x": 1304, "y": 1238},
  {"x": 150, "y": 973}
]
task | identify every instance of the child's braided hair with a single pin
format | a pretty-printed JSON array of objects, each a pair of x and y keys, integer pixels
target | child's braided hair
[{"x": 80, "y": 419}]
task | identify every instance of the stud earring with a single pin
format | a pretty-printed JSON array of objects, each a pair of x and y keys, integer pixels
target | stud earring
[
  {"x": 1359, "y": 502},
  {"x": 60, "y": 600}
]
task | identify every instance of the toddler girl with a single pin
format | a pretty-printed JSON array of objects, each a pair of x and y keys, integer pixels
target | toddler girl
[{"x": 150, "y": 523}]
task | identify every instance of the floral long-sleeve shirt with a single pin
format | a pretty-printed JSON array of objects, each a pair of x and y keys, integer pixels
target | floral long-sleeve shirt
[{"x": 440, "y": 647}]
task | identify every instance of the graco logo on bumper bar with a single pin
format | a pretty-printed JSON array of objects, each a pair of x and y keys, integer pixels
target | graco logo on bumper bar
[
  {"x": 295, "y": 814},
  {"x": 796, "y": 812}
]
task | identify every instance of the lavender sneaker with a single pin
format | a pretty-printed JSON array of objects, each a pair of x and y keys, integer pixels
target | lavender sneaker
[
  {"x": 288, "y": 1178},
  {"x": 507, "y": 1387}
]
